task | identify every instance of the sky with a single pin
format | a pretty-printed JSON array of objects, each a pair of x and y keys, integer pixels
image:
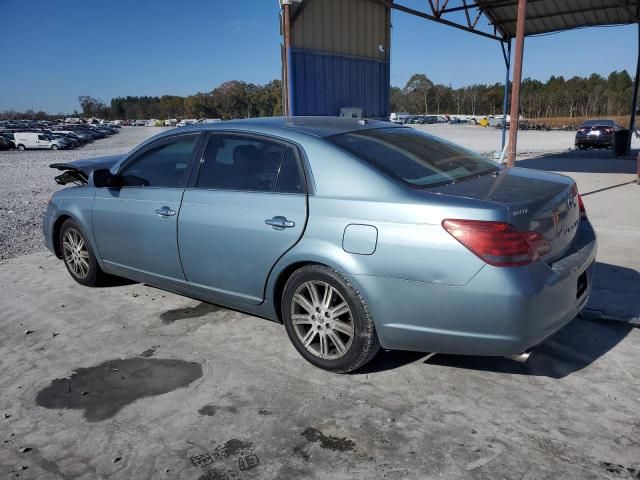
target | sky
[{"x": 55, "y": 51}]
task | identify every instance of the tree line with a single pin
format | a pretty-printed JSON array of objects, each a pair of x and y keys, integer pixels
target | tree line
[
  {"x": 233, "y": 99},
  {"x": 557, "y": 97}
]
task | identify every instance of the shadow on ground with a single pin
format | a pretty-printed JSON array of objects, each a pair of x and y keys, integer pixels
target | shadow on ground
[
  {"x": 573, "y": 348},
  {"x": 615, "y": 294},
  {"x": 583, "y": 161}
]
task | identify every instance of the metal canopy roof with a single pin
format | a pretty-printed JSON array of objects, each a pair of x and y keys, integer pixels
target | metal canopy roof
[{"x": 545, "y": 16}]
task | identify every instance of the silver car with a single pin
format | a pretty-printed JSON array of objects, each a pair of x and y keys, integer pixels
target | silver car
[{"x": 354, "y": 234}]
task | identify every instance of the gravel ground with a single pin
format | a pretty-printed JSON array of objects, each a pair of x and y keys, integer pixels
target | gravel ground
[{"x": 26, "y": 183}]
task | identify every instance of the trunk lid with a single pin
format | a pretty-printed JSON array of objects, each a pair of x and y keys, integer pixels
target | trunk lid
[{"x": 537, "y": 201}]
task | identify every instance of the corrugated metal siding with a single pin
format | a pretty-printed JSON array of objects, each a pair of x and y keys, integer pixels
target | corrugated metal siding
[
  {"x": 346, "y": 27},
  {"x": 552, "y": 15},
  {"x": 322, "y": 83}
]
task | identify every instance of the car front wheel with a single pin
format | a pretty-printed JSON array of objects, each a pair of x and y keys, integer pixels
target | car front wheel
[
  {"x": 79, "y": 257},
  {"x": 327, "y": 320}
]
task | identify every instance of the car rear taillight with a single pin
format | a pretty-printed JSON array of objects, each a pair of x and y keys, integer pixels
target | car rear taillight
[
  {"x": 537, "y": 242},
  {"x": 583, "y": 211},
  {"x": 607, "y": 130},
  {"x": 498, "y": 243}
]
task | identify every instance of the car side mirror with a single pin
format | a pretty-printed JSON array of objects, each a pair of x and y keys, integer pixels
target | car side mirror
[{"x": 104, "y": 178}]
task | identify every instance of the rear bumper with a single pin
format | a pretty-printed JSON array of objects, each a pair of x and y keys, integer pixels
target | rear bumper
[
  {"x": 601, "y": 140},
  {"x": 501, "y": 311}
]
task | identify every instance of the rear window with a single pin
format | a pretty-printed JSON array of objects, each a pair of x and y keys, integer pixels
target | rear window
[
  {"x": 598, "y": 123},
  {"x": 414, "y": 157}
]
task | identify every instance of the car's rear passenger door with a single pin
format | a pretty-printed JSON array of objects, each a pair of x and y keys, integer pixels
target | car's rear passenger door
[
  {"x": 135, "y": 225},
  {"x": 245, "y": 208}
]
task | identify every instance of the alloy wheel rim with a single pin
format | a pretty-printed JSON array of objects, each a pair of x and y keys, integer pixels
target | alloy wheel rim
[
  {"x": 75, "y": 252},
  {"x": 322, "y": 320}
]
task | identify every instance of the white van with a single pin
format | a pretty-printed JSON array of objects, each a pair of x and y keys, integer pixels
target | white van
[
  {"x": 208, "y": 120},
  {"x": 399, "y": 117},
  {"x": 185, "y": 122},
  {"x": 26, "y": 140}
]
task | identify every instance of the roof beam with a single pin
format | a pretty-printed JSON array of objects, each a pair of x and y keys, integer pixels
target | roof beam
[
  {"x": 625, "y": 4},
  {"x": 417, "y": 13},
  {"x": 486, "y": 4}
]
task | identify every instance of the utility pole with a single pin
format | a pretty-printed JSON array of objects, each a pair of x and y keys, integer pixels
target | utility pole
[{"x": 517, "y": 80}]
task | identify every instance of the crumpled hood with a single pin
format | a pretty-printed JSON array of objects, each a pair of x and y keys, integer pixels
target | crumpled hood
[{"x": 79, "y": 171}]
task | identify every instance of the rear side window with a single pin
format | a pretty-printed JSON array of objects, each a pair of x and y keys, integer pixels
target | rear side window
[
  {"x": 163, "y": 166},
  {"x": 416, "y": 158},
  {"x": 233, "y": 162},
  {"x": 289, "y": 178}
]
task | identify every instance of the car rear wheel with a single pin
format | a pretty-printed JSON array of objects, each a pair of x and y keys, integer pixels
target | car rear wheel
[
  {"x": 20, "y": 147},
  {"x": 327, "y": 320},
  {"x": 54, "y": 147},
  {"x": 78, "y": 257}
]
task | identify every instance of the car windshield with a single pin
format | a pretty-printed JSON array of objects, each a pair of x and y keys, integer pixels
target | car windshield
[{"x": 416, "y": 158}]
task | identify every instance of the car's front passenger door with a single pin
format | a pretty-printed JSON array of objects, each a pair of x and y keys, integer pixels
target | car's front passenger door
[{"x": 135, "y": 225}]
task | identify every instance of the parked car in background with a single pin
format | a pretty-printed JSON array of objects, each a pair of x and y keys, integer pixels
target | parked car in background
[
  {"x": 356, "y": 234},
  {"x": 9, "y": 137},
  {"x": 399, "y": 117},
  {"x": 208, "y": 120},
  {"x": 73, "y": 141},
  {"x": 5, "y": 144},
  {"x": 37, "y": 140},
  {"x": 185, "y": 122},
  {"x": 80, "y": 136},
  {"x": 596, "y": 134}
]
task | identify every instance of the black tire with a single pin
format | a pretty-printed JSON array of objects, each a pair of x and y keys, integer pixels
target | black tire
[
  {"x": 359, "y": 348},
  {"x": 21, "y": 147},
  {"x": 54, "y": 147},
  {"x": 94, "y": 276}
]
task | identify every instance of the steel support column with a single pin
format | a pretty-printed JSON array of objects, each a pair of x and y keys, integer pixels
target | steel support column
[
  {"x": 286, "y": 31},
  {"x": 505, "y": 102},
  {"x": 517, "y": 79},
  {"x": 634, "y": 102}
]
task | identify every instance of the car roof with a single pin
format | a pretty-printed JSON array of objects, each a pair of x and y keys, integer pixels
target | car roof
[{"x": 317, "y": 126}]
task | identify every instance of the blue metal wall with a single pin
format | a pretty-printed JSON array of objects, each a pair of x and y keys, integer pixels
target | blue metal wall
[{"x": 321, "y": 83}]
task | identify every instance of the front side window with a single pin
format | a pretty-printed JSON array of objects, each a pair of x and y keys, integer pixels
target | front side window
[
  {"x": 416, "y": 158},
  {"x": 234, "y": 162},
  {"x": 41, "y": 137},
  {"x": 162, "y": 166}
]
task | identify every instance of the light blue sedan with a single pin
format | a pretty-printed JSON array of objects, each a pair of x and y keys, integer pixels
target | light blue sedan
[{"x": 355, "y": 234}]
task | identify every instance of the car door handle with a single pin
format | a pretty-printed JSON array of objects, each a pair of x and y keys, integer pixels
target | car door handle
[
  {"x": 279, "y": 222},
  {"x": 165, "y": 212}
]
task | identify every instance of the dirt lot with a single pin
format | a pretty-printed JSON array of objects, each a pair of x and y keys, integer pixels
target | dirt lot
[
  {"x": 130, "y": 382},
  {"x": 26, "y": 183}
]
